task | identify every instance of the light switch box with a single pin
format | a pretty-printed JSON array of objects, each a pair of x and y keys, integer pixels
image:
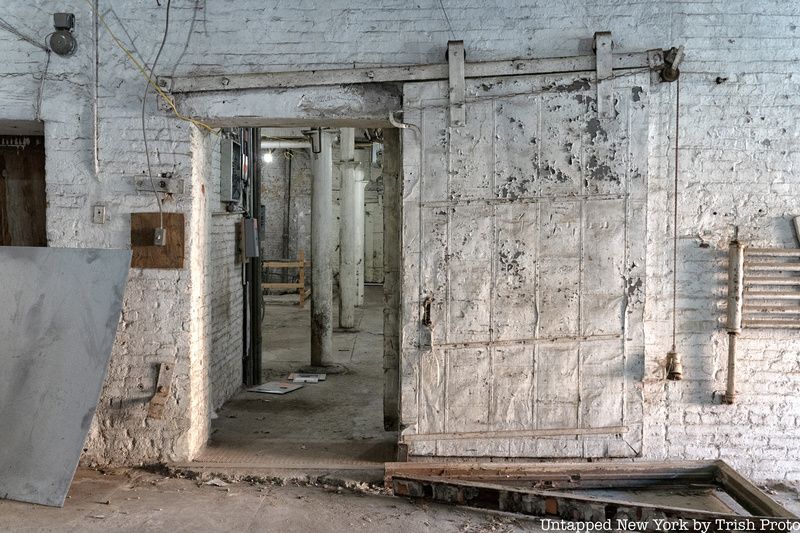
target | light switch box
[{"x": 99, "y": 214}]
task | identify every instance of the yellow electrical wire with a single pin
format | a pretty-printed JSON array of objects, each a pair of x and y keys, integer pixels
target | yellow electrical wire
[
  {"x": 153, "y": 84},
  {"x": 147, "y": 76}
]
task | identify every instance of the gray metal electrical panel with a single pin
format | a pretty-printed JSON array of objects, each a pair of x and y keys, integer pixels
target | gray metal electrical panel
[
  {"x": 230, "y": 183},
  {"x": 250, "y": 237}
]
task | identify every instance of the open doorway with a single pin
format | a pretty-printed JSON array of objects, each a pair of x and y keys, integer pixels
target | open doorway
[{"x": 343, "y": 421}]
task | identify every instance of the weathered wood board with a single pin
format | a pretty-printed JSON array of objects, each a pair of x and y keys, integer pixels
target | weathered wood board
[
  {"x": 23, "y": 201},
  {"x": 709, "y": 492},
  {"x": 148, "y": 255}
]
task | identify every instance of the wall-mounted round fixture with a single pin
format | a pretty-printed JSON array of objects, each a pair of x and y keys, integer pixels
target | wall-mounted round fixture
[
  {"x": 268, "y": 156},
  {"x": 62, "y": 42}
]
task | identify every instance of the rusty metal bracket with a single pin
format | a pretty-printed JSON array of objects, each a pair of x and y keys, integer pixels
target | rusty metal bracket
[
  {"x": 603, "y": 46},
  {"x": 458, "y": 87},
  {"x": 159, "y": 399},
  {"x": 655, "y": 61}
]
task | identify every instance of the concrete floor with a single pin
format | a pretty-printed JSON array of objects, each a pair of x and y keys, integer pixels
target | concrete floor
[
  {"x": 331, "y": 428},
  {"x": 131, "y": 500},
  {"x": 137, "y": 501},
  {"x": 327, "y": 434}
]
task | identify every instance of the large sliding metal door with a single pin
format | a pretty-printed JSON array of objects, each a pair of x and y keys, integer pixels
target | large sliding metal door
[{"x": 523, "y": 268}]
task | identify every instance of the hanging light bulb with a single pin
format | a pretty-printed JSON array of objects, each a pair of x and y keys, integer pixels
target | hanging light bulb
[{"x": 268, "y": 156}]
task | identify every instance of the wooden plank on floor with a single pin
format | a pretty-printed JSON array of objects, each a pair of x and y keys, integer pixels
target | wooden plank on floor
[
  {"x": 565, "y": 505},
  {"x": 747, "y": 494},
  {"x": 698, "y": 471}
]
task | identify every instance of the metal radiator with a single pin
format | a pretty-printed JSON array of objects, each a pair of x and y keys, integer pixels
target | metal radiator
[
  {"x": 771, "y": 288},
  {"x": 763, "y": 292}
]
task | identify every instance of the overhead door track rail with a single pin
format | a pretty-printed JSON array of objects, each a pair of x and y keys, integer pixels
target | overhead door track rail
[{"x": 653, "y": 60}]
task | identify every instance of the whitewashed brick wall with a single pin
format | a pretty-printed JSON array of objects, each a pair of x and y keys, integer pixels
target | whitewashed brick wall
[{"x": 739, "y": 159}]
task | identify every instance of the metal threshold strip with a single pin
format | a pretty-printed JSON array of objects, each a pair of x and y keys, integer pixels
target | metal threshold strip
[
  {"x": 648, "y": 496},
  {"x": 653, "y": 59}
]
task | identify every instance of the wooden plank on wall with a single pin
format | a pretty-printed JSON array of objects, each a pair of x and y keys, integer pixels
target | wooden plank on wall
[
  {"x": 145, "y": 253},
  {"x": 23, "y": 202}
]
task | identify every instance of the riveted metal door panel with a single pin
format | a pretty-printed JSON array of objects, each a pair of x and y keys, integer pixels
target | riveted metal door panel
[{"x": 523, "y": 244}]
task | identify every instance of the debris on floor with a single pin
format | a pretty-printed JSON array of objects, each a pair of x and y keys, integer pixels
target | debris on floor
[
  {"x": 300, "y": 377},
  {"x": 145, "y": 501},
  {"x": 276, "y": 387}
]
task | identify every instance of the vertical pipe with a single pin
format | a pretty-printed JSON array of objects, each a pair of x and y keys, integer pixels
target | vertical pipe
[
  {"x": 362, "y": 178},
  {"x": 247, "y": 371},
  {"x": 96, "y": 89},
  {"x": 735, "y": 303},
  {"x": 256, "y": 293},
  {"x": 392, "y": 165},
  {"x": 287, "y": 213},
  {"x": 287, "y": 223},
  {"x": 321, "y": 240},
  {"x": 347, "y": 232}
]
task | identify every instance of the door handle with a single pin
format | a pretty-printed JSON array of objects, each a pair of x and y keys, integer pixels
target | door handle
[{"x": 426, "y": 311}]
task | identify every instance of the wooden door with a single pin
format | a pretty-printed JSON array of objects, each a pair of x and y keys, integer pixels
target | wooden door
[{"x": 23, "y": 201}]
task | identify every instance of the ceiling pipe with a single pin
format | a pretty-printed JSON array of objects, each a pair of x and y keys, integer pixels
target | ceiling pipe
[
  {"x": 290, "y": 144},
  {"x": 285, "y": 144}
]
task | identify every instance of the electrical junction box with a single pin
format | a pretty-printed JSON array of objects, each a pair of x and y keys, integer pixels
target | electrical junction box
[
  {"x": 250, "y": 238},
  {"x": 230, "y": 182},
  {"x": 99, "y": 214}
]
